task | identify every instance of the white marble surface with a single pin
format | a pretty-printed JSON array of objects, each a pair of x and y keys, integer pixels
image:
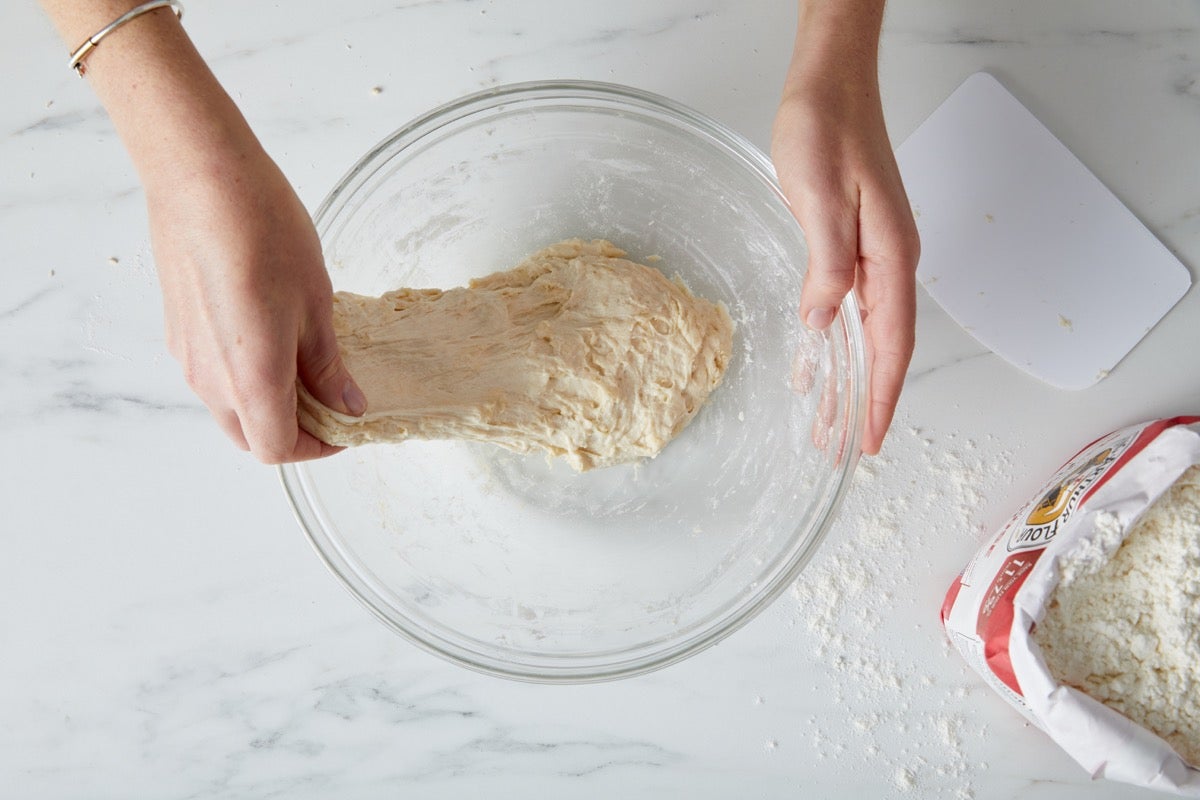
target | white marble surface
[{"x": 165, "y": 630}]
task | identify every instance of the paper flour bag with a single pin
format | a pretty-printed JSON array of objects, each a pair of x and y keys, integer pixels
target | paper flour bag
[{"x": 1106, "y": 559}]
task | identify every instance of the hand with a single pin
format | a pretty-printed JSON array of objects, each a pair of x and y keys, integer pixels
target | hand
[
  {"x": 837, "y": 169},
  {"x": 247, "y": 299}
]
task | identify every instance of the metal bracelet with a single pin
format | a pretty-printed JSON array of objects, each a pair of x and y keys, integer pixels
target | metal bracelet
[{"x": 90, "y": 44}]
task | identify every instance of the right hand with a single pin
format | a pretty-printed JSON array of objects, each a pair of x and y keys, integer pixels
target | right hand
[
  {"x": 835, "y": 164},
  {"x": 836, "y": 167},
  {"x": 247, "y": 299}
]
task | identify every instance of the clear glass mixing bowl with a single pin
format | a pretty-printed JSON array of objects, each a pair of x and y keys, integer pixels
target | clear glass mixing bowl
[{"x": 519, "y": 567}]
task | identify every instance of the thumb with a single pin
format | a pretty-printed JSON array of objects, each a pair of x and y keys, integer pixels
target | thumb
[
  {"x": 322, "y": 371},
  {"x": 832, "y": 235}
]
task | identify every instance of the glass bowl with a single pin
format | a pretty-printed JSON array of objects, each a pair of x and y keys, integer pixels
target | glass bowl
[{"x": 519, "y": 566}]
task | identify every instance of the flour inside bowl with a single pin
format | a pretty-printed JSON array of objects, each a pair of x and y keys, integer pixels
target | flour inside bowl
[{"x": 576, "y": 351}]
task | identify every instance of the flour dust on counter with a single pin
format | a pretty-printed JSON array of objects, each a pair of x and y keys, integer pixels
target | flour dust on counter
[{"x": 903, "y": 723}]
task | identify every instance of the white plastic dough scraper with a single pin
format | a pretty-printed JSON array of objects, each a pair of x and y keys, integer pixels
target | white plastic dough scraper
[{"x": 1026, "y": 248}]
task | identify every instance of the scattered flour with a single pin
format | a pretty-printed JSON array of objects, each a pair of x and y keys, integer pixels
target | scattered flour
[
  {"x": 921, "y": 497},
  {"x": 1125, "y": 627}
]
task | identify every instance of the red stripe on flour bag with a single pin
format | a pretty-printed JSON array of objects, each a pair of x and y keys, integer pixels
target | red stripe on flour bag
[
  {"x": 994, "y": 625},
  {"x": 1148, "y": 435},
  {"x": 951, "y": 597}
]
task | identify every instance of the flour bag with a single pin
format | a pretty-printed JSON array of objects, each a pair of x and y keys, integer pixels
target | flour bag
[{"x": 1097, "y": 580}]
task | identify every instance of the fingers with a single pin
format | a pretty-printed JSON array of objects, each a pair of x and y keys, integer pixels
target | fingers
[
  {"x": 272, "y": 440},
  {"x": 268, "y": 415},
  {"x": 323, "y": 372},
  {"x": 308, "y": 448},
  {"x": 890, "y": 337},
  {"x": 824, "y": 197},
  {"x": 275, "y": 441},
  {"x": 831, "y": 231},
  {"x": 887, "y": 371},
  {"x": 228, "y": 420},
  {"x": 888, "y": 289},
  {"x": 253, "y": 400},
  {"x": 874, "y": 248},
  {"x": 249, "y": 385}
]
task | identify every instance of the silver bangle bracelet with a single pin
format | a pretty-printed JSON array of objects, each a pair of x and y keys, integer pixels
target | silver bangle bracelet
[{"x": 90, "y": 44}]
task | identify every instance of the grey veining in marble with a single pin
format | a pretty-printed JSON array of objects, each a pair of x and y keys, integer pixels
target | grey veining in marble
[{"x": 166, "y": 630}]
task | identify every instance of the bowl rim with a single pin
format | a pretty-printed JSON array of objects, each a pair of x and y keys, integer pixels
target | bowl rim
[{"x": 849, "y": 327}]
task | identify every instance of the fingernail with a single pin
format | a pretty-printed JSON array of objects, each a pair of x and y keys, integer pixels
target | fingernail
[
  {"x": 819, "y": 318},
  {"x": 355, "y": 400}
]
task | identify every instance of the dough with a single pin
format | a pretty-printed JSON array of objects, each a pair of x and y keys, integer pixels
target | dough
[{"x": 576, "y": 351}]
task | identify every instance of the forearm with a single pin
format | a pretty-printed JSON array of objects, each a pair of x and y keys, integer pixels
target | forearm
[
  {"x": 169, "y": 110},
  {"x": 836, "y": 47}
]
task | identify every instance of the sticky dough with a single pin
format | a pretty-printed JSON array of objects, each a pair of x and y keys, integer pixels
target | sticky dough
[{"x": 576, "y": 351}]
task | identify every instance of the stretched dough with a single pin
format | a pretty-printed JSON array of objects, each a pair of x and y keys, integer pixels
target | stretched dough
[{"x": 576, "y": 351}]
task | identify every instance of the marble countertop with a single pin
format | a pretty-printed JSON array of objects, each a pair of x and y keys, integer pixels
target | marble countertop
[{"x": 166, "y": 630}]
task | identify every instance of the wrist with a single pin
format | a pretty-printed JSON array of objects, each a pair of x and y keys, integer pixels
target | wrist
[
  {"x": 172, "y": 115},
  {"x": 836, "y": 48}
]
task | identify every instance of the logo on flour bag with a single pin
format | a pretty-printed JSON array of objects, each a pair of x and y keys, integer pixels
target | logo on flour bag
[{"x": 1060, "y": 499}]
